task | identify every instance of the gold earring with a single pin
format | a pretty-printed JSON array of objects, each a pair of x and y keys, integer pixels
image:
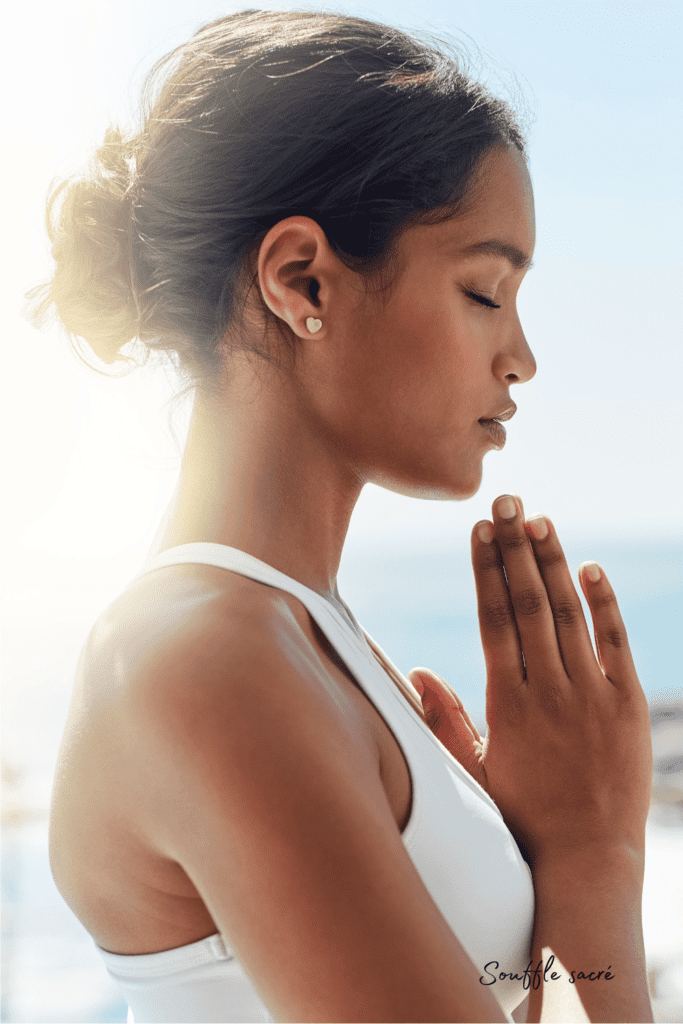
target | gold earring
[{"x": 313, "y": 324}]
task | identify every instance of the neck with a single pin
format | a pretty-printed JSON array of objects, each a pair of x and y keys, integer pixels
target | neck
[{"x": 258, "y": 475}]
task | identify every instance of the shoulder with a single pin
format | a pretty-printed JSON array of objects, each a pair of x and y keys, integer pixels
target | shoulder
[
  {"x": 246, "y": 771},
  {"x": 201, "y": 659},
  {"x": 183, "y": 619}
]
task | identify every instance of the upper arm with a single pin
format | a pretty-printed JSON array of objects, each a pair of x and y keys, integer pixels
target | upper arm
[{"x": 262, "y": 791}]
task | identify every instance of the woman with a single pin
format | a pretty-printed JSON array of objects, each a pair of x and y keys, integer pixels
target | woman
[{"x": 254, "y": 814}]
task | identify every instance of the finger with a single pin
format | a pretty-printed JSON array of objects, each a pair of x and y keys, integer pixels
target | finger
[
  {"x": 443, "y": 712},
  {"x": 532, "y": 610},
  {"x": 571, "y": 628},
  {"x": 435, "y": 692},
  {"x": 497, "y": 626},
  {"x": 520, "y": 504},
  {"x": 463, "y": 712},
  {"x": 611, "y": 639},
  {"x": 419, "y": 676}
]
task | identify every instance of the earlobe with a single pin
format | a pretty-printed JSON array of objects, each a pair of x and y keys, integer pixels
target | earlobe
[{"x": 290, "y": 261}]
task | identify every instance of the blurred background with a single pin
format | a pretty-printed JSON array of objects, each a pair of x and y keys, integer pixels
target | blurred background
[{"x": 89, "y": 462}]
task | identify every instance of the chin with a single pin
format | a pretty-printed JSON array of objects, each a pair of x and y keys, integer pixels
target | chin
[{"x": 466, "y": 486}]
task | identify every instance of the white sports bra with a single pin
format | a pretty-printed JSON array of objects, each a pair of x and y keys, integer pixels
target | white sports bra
[{"x": 456, "y": 838}]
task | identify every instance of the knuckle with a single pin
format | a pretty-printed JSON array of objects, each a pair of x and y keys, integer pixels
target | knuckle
[
  {"x": 567, "y": 613},
  {"x": 433, "y": 718},
  {"x": 495, "y": 614},
  {"x": 488, "y": 559},
  {"x": 614, "y": 637},
  {"x": 552, "y": 557},
  {"x": 515, "y": 541},
  {"x": 530, "y": 602},
  {"x": 605, "y": 599}
]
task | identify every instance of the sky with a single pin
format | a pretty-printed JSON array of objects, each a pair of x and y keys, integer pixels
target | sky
[{"x": 89, "y": 463}]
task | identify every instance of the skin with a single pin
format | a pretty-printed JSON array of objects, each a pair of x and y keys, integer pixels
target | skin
[
  {"x": 567, "y": 759},
  {"x": 388, "y": 393},
  {"x": 195, "y": 669}
]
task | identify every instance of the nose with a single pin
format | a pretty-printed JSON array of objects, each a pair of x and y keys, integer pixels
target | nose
[{"x": 515, "y": 362}]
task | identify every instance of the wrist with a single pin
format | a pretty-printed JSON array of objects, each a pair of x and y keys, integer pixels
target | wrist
[
  {"x": 591, "y": 884},
  {"x": 615, "y": 859}
]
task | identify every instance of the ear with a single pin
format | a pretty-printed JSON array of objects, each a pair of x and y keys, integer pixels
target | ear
[{"x": 296, "y": 268}]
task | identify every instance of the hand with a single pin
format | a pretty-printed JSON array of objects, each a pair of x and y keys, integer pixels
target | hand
[
  {"x": 567, "y": 756},
  {"x": 450, "y": 723}
]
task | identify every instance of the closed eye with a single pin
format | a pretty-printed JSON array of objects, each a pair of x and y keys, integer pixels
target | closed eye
[{"x": 483, "y": 300}]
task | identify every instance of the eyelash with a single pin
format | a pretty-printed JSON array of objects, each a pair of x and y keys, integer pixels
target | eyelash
[{"x": 483, "y": 300}]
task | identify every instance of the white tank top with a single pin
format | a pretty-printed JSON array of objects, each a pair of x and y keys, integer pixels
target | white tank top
[{"x": 456, "y": 838}]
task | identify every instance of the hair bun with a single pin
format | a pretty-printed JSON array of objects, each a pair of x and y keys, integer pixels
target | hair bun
[
  {"x": 260, "y": 116},
  {"x": 89, "y": 222}
]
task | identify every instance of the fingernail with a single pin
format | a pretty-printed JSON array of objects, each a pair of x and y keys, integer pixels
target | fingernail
[
  {"x": 506, "y": 507},
  {"x": 591, "y": 571},
  {"x": 538, "y": 527},
  {"x": 485, "y": 532}
]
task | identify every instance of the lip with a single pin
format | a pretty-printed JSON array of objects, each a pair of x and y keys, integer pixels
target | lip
[
  {"x": 496, "y": 431},
  {"x": 506, "y": 413}
]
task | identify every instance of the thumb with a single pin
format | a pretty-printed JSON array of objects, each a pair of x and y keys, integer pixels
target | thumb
[
  {"x": 430, "y": 688},
  {"x": 433, "y": 690},
  {"x": 448, "y": 720},
  {"x": 414, "y": 676}
]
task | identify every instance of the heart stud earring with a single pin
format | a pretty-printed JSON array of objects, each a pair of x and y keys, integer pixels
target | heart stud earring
[{"x": 313, "y": 324}]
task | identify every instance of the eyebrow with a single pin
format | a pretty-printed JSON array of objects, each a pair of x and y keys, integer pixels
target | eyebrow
[{"x": 494, "y": 247}]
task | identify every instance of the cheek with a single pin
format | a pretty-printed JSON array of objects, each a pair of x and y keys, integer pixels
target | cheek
[
  {"x": 446, "y": 368},
  {"x": 418, "y": 361},
  {"x": 423, "y": 341}
]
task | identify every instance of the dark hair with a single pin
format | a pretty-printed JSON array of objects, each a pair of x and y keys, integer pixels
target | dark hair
[{"x": 260, "y": 116}]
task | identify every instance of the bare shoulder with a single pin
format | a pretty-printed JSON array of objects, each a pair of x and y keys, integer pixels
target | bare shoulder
[
  {"x": 250, "y": 775},
  {"x": 194, "y": 623},
  {"x": 199, "y": 658}
]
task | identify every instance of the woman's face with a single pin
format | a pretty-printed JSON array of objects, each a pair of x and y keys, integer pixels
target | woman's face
[{"x": 420, "y": 371}]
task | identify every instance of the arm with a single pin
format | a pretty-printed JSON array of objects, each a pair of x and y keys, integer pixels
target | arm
[
  {"x": 567, "y": 759},
  {"x": 258, "y": 786},
  {"x": 588, "y": 914}
]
